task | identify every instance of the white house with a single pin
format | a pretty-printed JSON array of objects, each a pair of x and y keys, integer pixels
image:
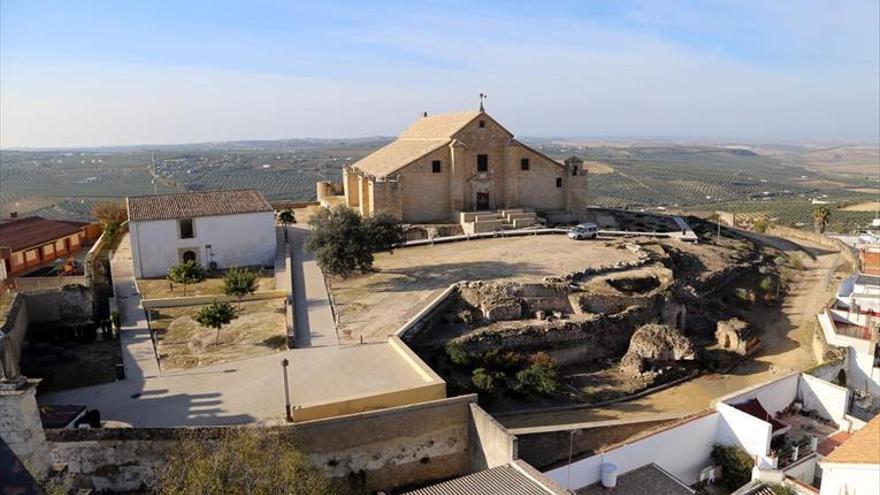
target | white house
[
  {"x": 215, "y": 228},
  {"x": 854, "y": 467}
]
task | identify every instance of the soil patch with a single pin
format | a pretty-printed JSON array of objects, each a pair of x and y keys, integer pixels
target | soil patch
[{"x": 157, "y": 288}]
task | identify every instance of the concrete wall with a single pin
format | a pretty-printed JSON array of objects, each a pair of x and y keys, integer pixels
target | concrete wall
[
  {"x": 72, "y": 302},
  {"x": 682, "y": 450},
  {"x": 491, "y": 445},
  {"x": 236, "y": 240},
  {"x": 850, "y": 479},
  {"x": 774, "y": 396},
  {"x": 829, "y": 400},
  {"x": 739, "y": 428}
]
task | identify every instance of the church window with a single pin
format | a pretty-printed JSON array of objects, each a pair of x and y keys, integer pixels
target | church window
[
  {"x": 482, "y": 163},
  {"x": 435, "y": 166},
  {"x": 482, "y": 124},
  {"x": 524, "y": 164},
  {"x": 559, "y": 182}
]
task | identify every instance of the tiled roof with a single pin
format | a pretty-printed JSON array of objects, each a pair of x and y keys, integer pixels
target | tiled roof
[
  {"x": 196, "y": 204},
  {"x": 649, "y": 478},
  {"x": 439, "y": 126},
  {"x": 424, "y": 136},
  {"x": 32, "y": 231},
  {"x": 502, "y": 480},
  {"x": 828, "y": 445},
  {"x": 863, "y": 447}
]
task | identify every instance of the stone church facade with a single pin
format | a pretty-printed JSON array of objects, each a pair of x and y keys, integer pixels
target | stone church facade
[{"x": 446, "y": 164}]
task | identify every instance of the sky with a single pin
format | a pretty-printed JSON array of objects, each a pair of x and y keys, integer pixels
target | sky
[{"x": 95, "y": 73}]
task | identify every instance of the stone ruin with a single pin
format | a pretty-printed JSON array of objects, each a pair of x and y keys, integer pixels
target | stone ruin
[
  {"x": 737, "y": 336},
  {"x": 654, "y": 344}
]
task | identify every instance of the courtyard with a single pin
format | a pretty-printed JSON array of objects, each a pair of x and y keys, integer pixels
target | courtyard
[
  {"x": 374, "y": 305},
  {"x": 183, "y": 343},
  {"x": 160, "y": 288}
]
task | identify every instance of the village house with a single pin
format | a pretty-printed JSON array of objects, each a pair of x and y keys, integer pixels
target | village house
[
  {"x": 31, "y": 242},
  {"x": 218, "y": 229},
  {"x": 443, "y": 165}
]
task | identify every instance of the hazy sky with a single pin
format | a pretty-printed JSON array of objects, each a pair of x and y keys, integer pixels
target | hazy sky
[{"x": 131, "y": 72}]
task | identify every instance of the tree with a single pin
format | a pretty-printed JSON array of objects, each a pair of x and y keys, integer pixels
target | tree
[
  {"x": 187, "y": 272},
  {"x": 736, "y": 464},
  {"x": 239, "y": 460},
  {"x": 541, "y": 375},
  {"x": 821, "y": 217},
  {"x": 108, "y": 212},
  {"x": 239, "y": 282},
  {"x": 383, "y": 232},
  {"x": 344, "y": 242},
  {"x": 286, "y": 218},
  {"x": 215, "y": 315}
]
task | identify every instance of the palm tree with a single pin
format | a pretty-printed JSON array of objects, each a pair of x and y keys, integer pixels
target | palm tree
[
  {"x": 286, "y": 218},
  {"x": 821, "y": 217}
]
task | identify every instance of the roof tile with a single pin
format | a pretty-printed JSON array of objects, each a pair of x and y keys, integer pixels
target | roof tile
[{"x": 196, "y": 204}]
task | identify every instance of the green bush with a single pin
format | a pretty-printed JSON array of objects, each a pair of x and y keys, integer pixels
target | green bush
[
  {"x": 540, "y": 376},
  {"x": 761, "y": 225},
  {"x": 484, "y": 380},
  {"x": 239, "y": 282},
  {"x": 504, "y": 361},
  {"x": 457, "y": 354},
  {"x": 736, "y": 465},
  {"x": 186, "y": 273},
  {"x": 343, "y": 241}
]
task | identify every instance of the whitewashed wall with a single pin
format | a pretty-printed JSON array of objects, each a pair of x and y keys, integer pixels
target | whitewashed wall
[
  {"x": 236, "y": 240},
  {"x": 773, "y": 396},
  {"x": 739, "y": 428},
  {"x": 850, "y": 479},
  {"x": 683, "y": 451},
  {"x": 829, "y": 400}
]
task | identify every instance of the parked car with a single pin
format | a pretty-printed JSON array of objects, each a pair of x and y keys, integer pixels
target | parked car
[{"x": 584, "y": 231}]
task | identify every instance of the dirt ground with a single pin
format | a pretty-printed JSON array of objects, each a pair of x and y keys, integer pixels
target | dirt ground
[
  {"x": 375, "y": 305},
  {"x": 183, "y": 343},
  {"x": 155, "y": 288},
  {"x": 786, "y": 336},
  {"x": 71, "y": 366},
  {"x": 866, "y": 206}
]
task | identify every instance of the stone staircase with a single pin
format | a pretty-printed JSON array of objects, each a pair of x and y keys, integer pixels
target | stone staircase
[{"x": 478, "y": 222}]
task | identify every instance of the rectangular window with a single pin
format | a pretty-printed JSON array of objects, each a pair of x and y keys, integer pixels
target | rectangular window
[
  {"x": 559, "y": 182},
  {"x": 186, "y": 228},
  {"x": 435, "y": 166},
  {"x": 482, "y": 163},
  {"x": 574, "y": 171},
  {"x": 524, "y": 164},
  {"x": 482, "y": 124}
]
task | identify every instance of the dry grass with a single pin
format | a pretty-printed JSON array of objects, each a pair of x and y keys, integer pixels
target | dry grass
[
  {"x": 157, "y": 288},
  {"x": 596, "y": 168},
  {"x": 866, "y": 206},
  {"x": 183, "y": 343}
]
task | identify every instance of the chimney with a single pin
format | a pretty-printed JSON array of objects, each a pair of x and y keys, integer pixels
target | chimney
[{"x": 13, "y": 214}]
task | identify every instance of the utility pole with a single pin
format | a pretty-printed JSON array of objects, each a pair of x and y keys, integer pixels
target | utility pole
[{"x": 284, "y": 364}]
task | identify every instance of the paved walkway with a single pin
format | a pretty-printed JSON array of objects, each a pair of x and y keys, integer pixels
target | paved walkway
[
  {"x": 138, "y": 355},
  {"x": 315, "y": 325}
]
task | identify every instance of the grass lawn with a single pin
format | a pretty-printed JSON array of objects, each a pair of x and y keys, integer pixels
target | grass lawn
[
  {"x": 183, "y": 343},
  {"x": 157, "y": 288}
]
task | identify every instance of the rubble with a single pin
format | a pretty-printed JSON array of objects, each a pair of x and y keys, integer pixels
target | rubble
[
  {"x": 652, "y": 344},
  {"x": 735, "y": 335}
]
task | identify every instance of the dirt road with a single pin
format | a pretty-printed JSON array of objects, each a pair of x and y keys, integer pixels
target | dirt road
[{"x": 787, "y": 335}]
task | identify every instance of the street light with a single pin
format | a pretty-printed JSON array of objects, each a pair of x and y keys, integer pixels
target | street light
[
  {"x": 571, "y": 435},
  {"x": 284, "y": 364}
]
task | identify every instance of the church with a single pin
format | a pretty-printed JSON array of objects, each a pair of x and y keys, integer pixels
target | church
[{"x": 446, "y": 164}]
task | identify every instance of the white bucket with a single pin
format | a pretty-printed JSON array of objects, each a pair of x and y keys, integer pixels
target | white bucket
[{"x": 609, "y": 474}]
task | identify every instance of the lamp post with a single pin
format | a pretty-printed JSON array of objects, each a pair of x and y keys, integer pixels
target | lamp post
[
  {"x": 571, "y": 435},
  {"x": 284, "y": 364}
]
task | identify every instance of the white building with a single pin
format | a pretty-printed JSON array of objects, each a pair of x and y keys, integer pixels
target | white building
[
  {"x": 854, "y": 467},
  {"x": 861, "y": 292},
  {"x": 859, "y": 334},
  {"x": 218, "y": 229}
]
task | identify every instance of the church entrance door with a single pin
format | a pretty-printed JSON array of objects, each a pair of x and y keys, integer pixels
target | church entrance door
[{"x": 482, "y": 200}]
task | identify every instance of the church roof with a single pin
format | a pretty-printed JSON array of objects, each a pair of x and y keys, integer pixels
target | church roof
[{"x": 424, "y": 136}]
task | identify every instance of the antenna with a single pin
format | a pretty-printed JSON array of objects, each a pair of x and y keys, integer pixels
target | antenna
[{"x": 483, "y": 96}]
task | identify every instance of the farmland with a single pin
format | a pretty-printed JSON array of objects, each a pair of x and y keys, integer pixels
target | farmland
[{"x": 776, "y": 181}]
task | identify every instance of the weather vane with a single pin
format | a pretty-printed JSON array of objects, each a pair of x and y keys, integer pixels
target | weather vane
[{"x": 483, "y": 96}]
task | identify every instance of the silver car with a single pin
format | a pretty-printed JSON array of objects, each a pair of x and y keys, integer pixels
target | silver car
[{"x": 584, "y": 231}]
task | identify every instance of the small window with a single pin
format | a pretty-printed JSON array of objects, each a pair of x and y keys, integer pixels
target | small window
[
  {"x": 186, "y": 228},
  {"x": 435, "y": 166},
  {"x": 482, "y": 124},
  {"x": 482, "y": 163},
  {"x": 524, "y": 164},
  {"x": 574, "y": 171},
  {"x": 559, "y": 182}
]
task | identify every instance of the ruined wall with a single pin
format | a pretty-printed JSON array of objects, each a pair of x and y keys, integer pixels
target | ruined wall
[
  {"x": 71, "y": 302},
  {"x": 365, "y": 452}
]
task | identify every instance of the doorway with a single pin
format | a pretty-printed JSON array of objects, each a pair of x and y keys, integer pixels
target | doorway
[
  {"x": 189, "y": 256},
  {"x": 482, "y": 200}
]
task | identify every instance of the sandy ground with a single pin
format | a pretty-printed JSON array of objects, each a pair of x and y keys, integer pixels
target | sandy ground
[
  {"x": 866, "y": 190},
  {"x": 153, "y": 288},
  {"x": 184, "y": 343},
  {"x": 375, "y": 305},
  {"x": 787, "y": 346},
  {"x": 866, "y": 206}
]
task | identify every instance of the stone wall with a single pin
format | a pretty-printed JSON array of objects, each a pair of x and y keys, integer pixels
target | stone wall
[
  {"x": 72, "y": 302},
  {"x": 369, "y": 451},
  {"x": 20, "y": 426}
]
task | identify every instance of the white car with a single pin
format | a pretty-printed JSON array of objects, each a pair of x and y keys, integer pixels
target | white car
[{"x": 584, "y": 231}]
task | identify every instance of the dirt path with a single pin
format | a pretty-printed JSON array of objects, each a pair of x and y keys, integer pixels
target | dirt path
[{"x": 787, "y": 336}]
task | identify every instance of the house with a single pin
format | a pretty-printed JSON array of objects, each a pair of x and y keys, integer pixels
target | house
[
  {"x": 218, "y": 229},
  {"x": 854, "y": 467},
  {"x": 446, "y": 164},
  {"x": 514, "y": 478},
  {"x": 30, "y": 242}
]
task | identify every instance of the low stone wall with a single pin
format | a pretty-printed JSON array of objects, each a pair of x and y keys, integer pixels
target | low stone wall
[
  {"x": 71, "y": 302},
  {"x": 363, "y": 452},
  {"x": 172, "y": 302},
  {"x": 491, "y": 444}
]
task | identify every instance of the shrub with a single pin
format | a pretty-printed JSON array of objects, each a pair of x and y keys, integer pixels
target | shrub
[
  {"x": 239, "y": 461},
  {"x": 457, "y": 354},
  {"x": 504, "y": 361},
  {"x": 780, "y": 489},
  {"x": 239, "y": 282},
  {"x": 484, "y": 380},
  {"x": 736, "y": 465},
  {"x": 540, "y": 376},
  {"x": 187, "y": 272},
  {"x": 215, "y": 315},
  {"x": 761, "y": 225}
]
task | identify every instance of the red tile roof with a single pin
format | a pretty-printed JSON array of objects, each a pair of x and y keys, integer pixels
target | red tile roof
[
  {"x": 28, "y": 232},
  {"x": 196, "y": 204},
  {"x": 754, "y": 408}
]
